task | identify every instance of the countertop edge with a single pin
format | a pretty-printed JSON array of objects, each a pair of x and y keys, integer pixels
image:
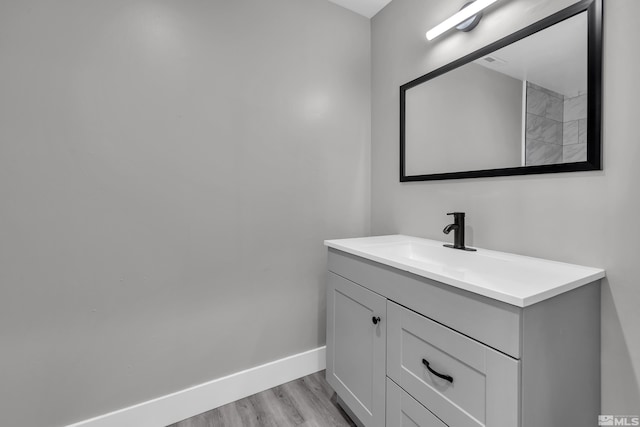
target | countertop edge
[{"x": 520, "y": 302}]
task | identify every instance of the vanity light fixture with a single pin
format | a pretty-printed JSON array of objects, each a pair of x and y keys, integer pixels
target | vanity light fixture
[{"x": 466, "y": 19}]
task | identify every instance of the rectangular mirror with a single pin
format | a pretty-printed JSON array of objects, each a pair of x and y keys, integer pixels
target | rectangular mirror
[{"x": 529, "y": 103}]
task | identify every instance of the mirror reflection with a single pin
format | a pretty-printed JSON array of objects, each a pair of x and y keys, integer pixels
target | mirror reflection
[{"x": 522, "y": 105}]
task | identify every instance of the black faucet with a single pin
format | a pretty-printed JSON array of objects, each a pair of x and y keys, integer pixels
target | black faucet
[{"x": 458, "y": 231}]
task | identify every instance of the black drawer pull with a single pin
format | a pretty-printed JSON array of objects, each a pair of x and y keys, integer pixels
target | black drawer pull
[
  {"x": 375, "y": 320},
  {"x": 437, "y": 374}
]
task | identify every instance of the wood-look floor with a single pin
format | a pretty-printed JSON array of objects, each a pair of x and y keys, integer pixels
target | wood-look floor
[{"x": 305, "y": 402}]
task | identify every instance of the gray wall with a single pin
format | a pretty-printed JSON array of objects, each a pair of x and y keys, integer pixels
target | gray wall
[
  {"x": 586, "y": 218},
  {"x": 168, "y": 172},
  {"x": 437, "y": 136}
]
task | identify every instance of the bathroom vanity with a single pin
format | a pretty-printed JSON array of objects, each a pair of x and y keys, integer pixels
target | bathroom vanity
[{"x": 423, "y": 335}]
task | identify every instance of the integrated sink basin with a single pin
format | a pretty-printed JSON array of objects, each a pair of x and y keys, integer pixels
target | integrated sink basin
[{"x": 514, "y": 279}]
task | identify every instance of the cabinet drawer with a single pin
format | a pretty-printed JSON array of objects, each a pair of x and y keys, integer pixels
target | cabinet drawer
[
  {"x": 484, "y": 386},
  {"x": 404, "y": 411}
]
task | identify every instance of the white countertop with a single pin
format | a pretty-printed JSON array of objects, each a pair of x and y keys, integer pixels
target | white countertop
[{"x": 514, "y": 279}]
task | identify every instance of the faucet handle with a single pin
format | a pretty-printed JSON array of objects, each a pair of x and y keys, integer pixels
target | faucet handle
[{"x": 456, "y": 213}]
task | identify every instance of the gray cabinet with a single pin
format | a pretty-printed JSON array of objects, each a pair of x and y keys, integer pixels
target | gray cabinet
[
  {"x": 356, "y": 349},
  {"x": 444, "y": 357}
]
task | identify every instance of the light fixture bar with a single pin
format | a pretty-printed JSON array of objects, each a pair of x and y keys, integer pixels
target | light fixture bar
[{"x": 461, "y": 16}]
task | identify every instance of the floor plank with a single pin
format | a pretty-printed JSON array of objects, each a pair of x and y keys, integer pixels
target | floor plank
[{"x": 306, "y": 402}]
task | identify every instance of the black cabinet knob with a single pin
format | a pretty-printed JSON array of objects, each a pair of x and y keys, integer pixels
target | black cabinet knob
[{"x": 375, "y": 319}]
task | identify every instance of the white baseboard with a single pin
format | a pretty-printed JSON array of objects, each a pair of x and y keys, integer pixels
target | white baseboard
[{"x": 195, "y": 400}]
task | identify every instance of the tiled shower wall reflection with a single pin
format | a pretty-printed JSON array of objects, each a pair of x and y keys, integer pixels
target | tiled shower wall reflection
[
  {"x": 555, "y": 127},
  {"x": 574, "y": 148}
]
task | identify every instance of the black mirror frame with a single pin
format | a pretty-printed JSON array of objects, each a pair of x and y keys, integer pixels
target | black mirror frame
[{"x": 594, "y": 97}]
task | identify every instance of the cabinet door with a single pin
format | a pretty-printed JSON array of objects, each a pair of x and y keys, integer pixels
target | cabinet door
[
  {"x": 356, "y": 348},
  {"x": 404, "y": 411}
]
